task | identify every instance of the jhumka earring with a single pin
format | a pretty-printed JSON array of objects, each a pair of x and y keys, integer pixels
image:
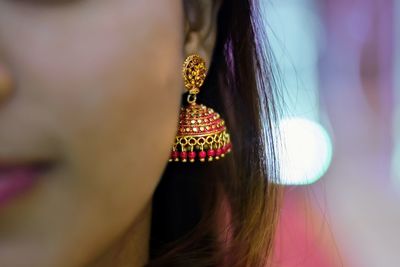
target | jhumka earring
[
  {"x": 5, "y": 84},
  {"x": 201, "y": 133}
]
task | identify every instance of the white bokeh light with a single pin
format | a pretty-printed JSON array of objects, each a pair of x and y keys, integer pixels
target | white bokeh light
[{"x": 306, "y": 151}]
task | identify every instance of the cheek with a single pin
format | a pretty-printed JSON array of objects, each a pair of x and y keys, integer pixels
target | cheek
[
  {"x": 119, "y": 103},
  {"x": 111, "y": 88},
  {"x": 104, "y": 92}
]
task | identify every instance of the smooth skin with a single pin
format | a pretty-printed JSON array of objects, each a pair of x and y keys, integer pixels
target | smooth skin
[{"x": 96, "y": 88}]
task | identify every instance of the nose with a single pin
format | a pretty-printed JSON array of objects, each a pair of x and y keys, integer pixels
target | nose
[{"x": 6, "y": 84}]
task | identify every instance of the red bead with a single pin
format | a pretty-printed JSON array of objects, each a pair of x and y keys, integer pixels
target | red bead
[
  {"x": 174, "y": 154},
  {"x": 192, "y": 154},
  {"x": 211, "y": 153},
  {"x": 202, "y": 154},
  {"x": 219, "y": 152},
  {"x": 223, "y": 149},
  {"x": 183, "y": 155}
]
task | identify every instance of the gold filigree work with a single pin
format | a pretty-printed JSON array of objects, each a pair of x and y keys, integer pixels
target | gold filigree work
[{"x": 194, "y": 73}]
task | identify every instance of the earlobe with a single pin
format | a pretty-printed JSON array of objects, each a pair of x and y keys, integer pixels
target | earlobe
[
  {"x": 200, "y": 27},
  {"x": 194, "y": 45}
]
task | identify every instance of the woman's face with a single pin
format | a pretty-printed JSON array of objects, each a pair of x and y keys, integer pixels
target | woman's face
[{"x": 97, "y": 88}]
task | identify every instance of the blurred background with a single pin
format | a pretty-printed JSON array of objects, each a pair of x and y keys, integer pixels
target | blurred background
[{"x": 339, "y": 64}]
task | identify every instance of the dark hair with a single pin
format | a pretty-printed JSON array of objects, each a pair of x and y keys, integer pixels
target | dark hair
[{"x": 187, "y": 229}]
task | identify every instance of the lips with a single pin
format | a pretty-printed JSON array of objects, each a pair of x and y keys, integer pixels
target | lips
[{"x": 15, "y": 180}]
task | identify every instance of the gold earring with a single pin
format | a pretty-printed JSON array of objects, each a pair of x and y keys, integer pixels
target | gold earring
[
  {"x": 5, "y": 84},
  {"x": 202, "y": 133}
]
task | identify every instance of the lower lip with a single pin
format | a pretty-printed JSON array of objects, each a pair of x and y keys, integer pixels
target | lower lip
[{"x": 17, "y": 180}]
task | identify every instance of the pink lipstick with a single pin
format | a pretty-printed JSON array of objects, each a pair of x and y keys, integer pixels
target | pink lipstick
[{"x": 17, "y": 179}]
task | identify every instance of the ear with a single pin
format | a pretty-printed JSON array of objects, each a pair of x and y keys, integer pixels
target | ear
[{"x": 201, "y": 27}]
